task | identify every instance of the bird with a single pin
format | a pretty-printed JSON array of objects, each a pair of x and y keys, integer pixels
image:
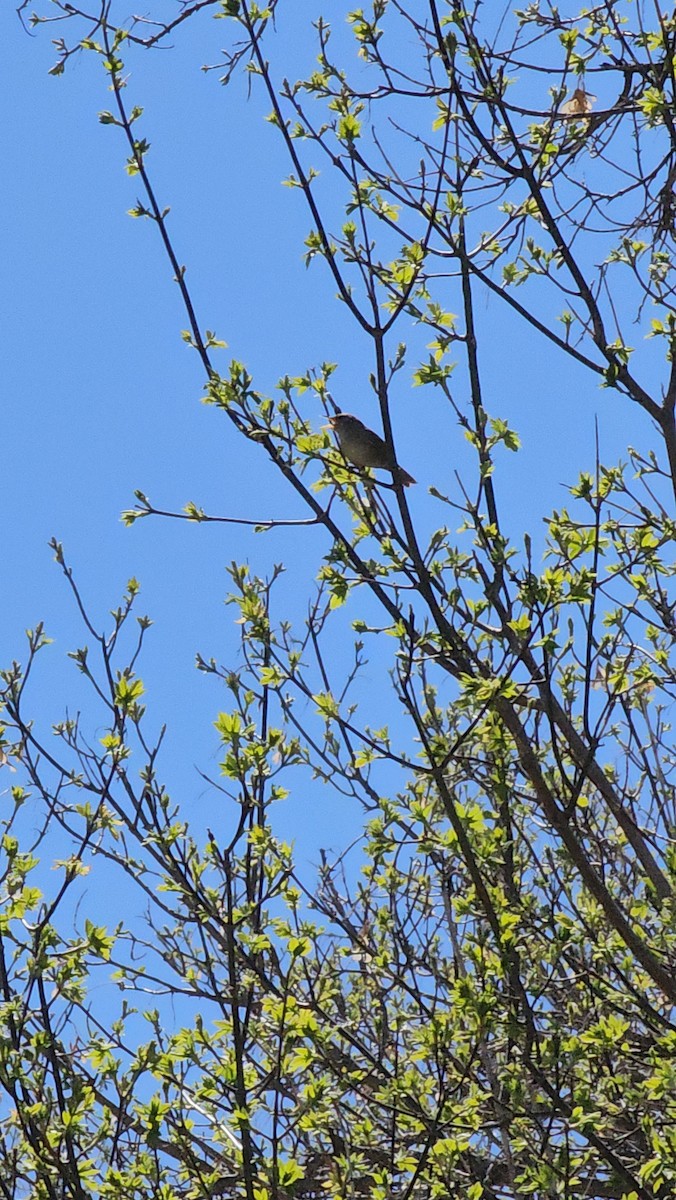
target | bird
[{"x": 361, "y": 446}]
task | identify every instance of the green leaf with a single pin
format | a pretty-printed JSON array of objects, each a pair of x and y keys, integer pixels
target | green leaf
[{"x": 349, "y": 128}]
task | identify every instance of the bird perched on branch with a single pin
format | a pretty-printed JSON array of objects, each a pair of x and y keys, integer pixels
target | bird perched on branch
[{"x": 364, "y": 448}]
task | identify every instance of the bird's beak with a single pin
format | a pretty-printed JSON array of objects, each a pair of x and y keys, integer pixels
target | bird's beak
[{"x": 330, "y": 424}]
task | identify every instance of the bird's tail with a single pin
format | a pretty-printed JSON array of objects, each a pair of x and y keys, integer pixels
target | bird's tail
[{"x": 404, "y": 478}]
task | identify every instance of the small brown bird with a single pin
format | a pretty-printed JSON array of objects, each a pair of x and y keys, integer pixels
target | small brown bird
[{"x": 364, "y": 448}]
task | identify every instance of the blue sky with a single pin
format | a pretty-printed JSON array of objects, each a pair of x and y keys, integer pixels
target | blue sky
[{"x": 101, "y": 395}]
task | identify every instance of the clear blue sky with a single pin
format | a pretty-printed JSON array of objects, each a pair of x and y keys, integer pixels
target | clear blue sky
[{"x": 101, "y": 396}]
